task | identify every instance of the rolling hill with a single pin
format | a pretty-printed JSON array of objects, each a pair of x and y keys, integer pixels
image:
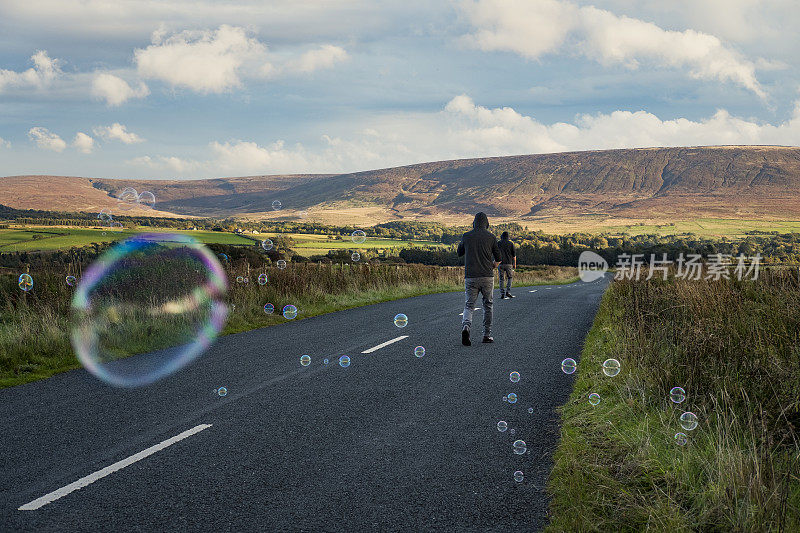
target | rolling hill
[{"x": 753, "y": 182}]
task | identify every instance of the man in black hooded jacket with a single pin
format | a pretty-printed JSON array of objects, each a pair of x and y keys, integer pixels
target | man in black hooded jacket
[{"x": 481, "y": 257}]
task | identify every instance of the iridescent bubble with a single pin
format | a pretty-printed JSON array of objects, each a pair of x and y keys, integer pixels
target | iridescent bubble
[
  {"x": 267, "y": 244},
  {"x": 518, "y": 476},
  {"x": 276, "y": 205},
  {"x": 677, "y": 394},
  {"x": 594, "y": 398},
  {"x": 419, "y": 351},
  {"x": 681, "y": 439},
  {"x": 147, "y": 199},
  {"x": 116, "y": 226},
  {"x": 71, "y": 280},
  {"x": 688, "y": 421},
  {"x": 247, "y": 280},
  {"x": 305, "y": 360},
  {"x": 530, "y": 410},
  {"x": 262, "y": 279},
  {"x": 239, "y": 279},
  {"x": 127, "y": 199},
  {"x": 223, "y": 257},
  {"x": 400, "y": 320},
  {"x": 325, "y": 361},
  {"x": 512, "y": 397},
  {"x": 505, "y": 398},
  {"x": 281, "y": 264},
  {"x": 105, "y": 217},
  {"x": 568, "y": 365},
  {"x": 25, "y": 282},
  {"x": 289, "y": 312},
  {"x": 269, "y": 308},
  {"x": 519, "y": 447},
  {"x": 344, "y": 361},
  {"x": 222, "y": 391},
  {"x": 514, "y": 377},
  {"x": 355, "y": 257},
  {"x": 147, "y": 307},
  {"x": 502, "y": 426},
  {"x": 611, "y": 367},
  {"x": 358, "y": 236}
]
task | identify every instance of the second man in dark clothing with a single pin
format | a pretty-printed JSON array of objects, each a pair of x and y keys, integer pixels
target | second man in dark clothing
[{"x": 507, "y": 264}]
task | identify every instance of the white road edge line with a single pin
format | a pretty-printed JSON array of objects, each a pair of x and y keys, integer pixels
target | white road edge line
[
  {"x": 384, "y": 344},
  {"x": 91, "y": 478}
]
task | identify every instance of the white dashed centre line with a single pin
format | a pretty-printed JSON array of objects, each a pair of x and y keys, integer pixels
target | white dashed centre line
[
  {"x": 534, "y": 290},
  {"x": 91, "y": 478},
  {"x": 383, "y": 344}
]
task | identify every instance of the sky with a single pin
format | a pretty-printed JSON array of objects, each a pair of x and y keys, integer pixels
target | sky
[{"x": 212, "y": 88}]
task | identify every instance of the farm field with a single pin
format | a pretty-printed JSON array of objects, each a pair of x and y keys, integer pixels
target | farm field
[
  {"x": 308, "y": 244},
  {"x": 704, "y": 227}
]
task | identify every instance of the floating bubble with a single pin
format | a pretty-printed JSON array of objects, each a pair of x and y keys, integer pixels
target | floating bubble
[
  {"x": 677, "y": 394},
  {"x": 269, "y": 308},
  {"x": 513, "y": 431},
  {"x": 147, "y": 307},
  {"x": 611, "y": 367},
  {"x": 262, "y": 279},
  {"x": 223, "y": 257},
  {"x": 267, "y": 244},
  {"x": 147, "y": 199},
  {"x": 400, "y": 320},
  {"x": 358, "y": 236},
  {"x": 305, "y": 360},
  {"x": 530, "y": 410},
  {"x": 71, "y": 280},
  {"x": 688, "y": 421},
  {"x": 419, "y": 351},
  {"x": 247, "y": 280},
  {"x": 222, "y": 391},
  {"x": 276, "y": 205},
  {"x": 325, "y": 361},
  {"x": 519, "y": 447},
  {"x": 568, "y": 365},
  {"x": 281, "y": 264},
  {"x": 518, "y": 476},
  {"x": 512, "y": 397},
  {"x": 117, "y": 226},
  {"x": 289, "y": 312},
  {"x": 25, "y": 282},
  {"x": 344, "y": 361},
  {"x": 355, "y": 256},
  {"x": 505, "y": 398},
  {"x": 502, "y": 426},
  {"x": 105, "y": 217},
  {"x": 681, "y": 439},
  {"x": 594, "y": 398},
  {"x": 127, "y": 199},
  {"x": 239, "y": 279},
  {"x": 514, "y": 377}
]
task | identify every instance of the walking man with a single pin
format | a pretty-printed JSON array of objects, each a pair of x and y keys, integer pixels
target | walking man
[
  {"x": 508, "y": 264},
  {"x": 481, "y": 256}
]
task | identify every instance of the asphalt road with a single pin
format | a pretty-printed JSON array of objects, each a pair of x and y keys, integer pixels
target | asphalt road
[{"x": 393, "y": 442}]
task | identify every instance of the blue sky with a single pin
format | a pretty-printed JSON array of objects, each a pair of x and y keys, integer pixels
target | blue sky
[{"x": 173, "y": 89}]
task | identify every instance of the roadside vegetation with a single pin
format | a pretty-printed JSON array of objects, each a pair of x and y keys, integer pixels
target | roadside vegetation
[{"x": 735, "y": 348}]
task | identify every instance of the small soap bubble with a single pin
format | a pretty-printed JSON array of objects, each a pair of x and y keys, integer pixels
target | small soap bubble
[
  {"x": 147, "y": 199},
  {"x": 344, "y": 361},
  {"x": 267, "y": 245},
  {"x": 513, "y": 431},
  {"x": 71, "y": 280},
  {"x": 239, "y": 279},
  {"x": 400, "y": 320},
  {"x": 223, "y": 258},
  {"x": 530, "y": 410},
  {"x": 305, "y": 360},
  {"x": 262, "y": 279},
  {"x": 688, "y": 421},
  {"x": 358, "y": 236},
  {"x": 518, "y": 476},
  {"x": 325, "y": 361},
  {"x": 681, "y": 439},
  {"x": 269, "y": 308},
  {"x": 25, "y": 282},
  {"x": 276, "y": 205},
  {"x": 289, "y": 312},
  {"x": 281, "y": 264},
  {"x": 419, "y": 351},
  {"x": 502, "y": 426},
  {"x": 594, "y": 398},
  {"x": 611, "y": 367},
  {"x": 512, "y": 397},
  {"x": 519, "y": 447},
  {"x": 355, "y": 257},
  {"x": 568, "y": 365},
  {"x": 514, "y": 377},
  {"x": 677, "y": 394},
  {"x": 222, "y": 391}
]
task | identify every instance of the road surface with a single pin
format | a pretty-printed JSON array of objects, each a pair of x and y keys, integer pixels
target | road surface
[{"x": 392, "y": 442}]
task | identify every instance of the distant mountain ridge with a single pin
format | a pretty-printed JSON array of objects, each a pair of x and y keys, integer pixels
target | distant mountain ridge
[{"x": 725, "y": 181}]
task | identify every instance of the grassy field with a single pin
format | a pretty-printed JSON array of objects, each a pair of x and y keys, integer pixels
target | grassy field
[
  {"x": 35, "y": 327},
  {"x": 735, "y": 348},
  {"x": 308, "y": 244},
  {"x": 705, "y": 227}
]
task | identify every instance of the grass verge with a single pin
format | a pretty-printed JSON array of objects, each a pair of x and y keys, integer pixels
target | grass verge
[{"x": 735, "y": 348}]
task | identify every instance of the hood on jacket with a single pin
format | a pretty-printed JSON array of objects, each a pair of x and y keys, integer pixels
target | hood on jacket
[
  {"x": 504, "y": 236},
  {"x": 481, "y": 221}
]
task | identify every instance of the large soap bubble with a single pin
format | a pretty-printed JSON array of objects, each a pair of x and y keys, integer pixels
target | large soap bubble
[
  {"x": 147, "y": 200},
  {"x": 358, "y": 236},
  {"x": 611, "y": 367},
  {"x": 677, "y": 394},
  {"x": 688, "y": 421},
  {"x": 147, "y": 307},
  {"x": 25, "y": 282},
  {"x": 127, "y": 199},
  {"x": 568, "y": 365}
]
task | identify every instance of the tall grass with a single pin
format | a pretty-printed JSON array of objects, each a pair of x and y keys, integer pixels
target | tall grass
[
  {"x": 735, "y": 347},
  {"x": 35, "y": 327}
]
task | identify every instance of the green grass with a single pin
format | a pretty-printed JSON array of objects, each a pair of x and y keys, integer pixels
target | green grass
[
  {"x": 35, "y": 327},
  {"x": 735, "y": 348},
  {"x": 303, "y": 241},
  {"x": 703, "y": 227}
]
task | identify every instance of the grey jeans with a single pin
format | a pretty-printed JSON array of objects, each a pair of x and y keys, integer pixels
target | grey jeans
[
  {"x": 508, "y": 270},
  {"x": 473, "y": 286}
]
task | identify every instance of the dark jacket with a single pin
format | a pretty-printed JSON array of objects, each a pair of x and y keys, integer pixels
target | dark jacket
[
  {"x": 507, "y": 250},
  {"x": 479, "y": 248}
]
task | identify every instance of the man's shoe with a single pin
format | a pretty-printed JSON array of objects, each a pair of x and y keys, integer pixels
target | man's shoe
[
  {"x": 509, "y": 295},
  {"x": 488, "y": 339},
  {"x": 502, "y": 296},
  {"x": 465, "y": 337}
]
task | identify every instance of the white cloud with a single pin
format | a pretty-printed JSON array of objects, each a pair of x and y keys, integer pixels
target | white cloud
[
  {"x": 117, "y": 132},
  {"x": 539, "y": 27},
  {"x": 83, "y": 143},
  {"x": 326, "y": 56},
  {"x": 4, "y": 143},
  {"x": 44, "y": 70},
  {"x": 114, "y": 90},
  {"x": 203, "y": 61},
  {"x": 465, "y": 129},
  {"x": 47, "y": 140}
]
